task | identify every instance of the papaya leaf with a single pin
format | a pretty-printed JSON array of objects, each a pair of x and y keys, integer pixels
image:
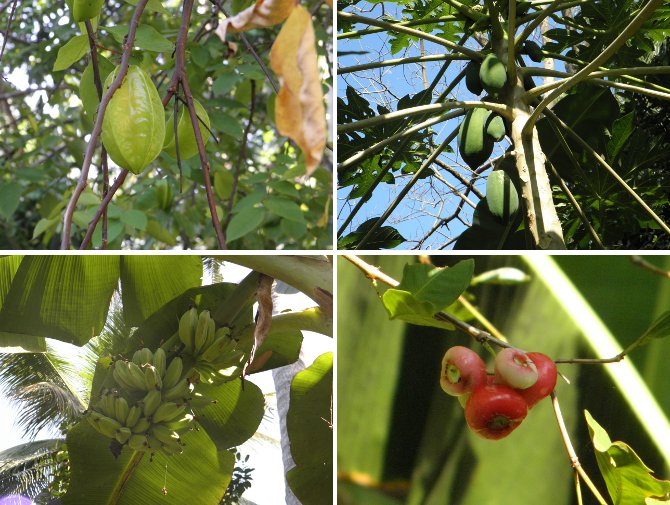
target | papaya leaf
[{"x": 628, "y": 479}]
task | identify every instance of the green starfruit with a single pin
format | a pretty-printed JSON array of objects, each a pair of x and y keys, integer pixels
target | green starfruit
[
  {"x": 133, "y": 127},
  {"x": 185, "y": 134}
]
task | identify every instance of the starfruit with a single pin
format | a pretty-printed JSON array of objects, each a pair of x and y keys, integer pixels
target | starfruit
[
  {"x": 188, "y": 147},
  {"x": 85, "y": 9},
  {"x": 133, "y": 127}
]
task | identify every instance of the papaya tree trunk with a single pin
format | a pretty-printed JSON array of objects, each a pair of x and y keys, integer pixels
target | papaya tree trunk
[{"x": 541, "y": 217}]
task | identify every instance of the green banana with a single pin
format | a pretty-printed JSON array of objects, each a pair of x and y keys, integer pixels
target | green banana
[
  {"x": 201, "y": 332},
  {"x": 107, "y": 426},
  {"x": 178, "y": 392},
  {"x": 181, "y": 425},
  {"x": 121, "y": 375},
  {"x": 123, "y": 434},
  {"x": 92, "y": 416},
  {"x": 137, "y": 376},
  {"x": 154, "y": 443},
  {"x": 152, "y": 379},
  {"x": 167, "y": 412},
  {"x": 172, "y": 448},
  {"x": 164, "y": 434},
  {"x": 138, "y": 442},
  {"x": 199, "y": 401},
  {"x": 137, "y": 357},
  {"x": 151, "y": 402},
  {"x": 187, "y": 326},
  {"x": 173, "y": 373},
  {"x": 133, "y": 416},
  {"x": 160, "y": 361},
  {"x": 107, "y": 404},
  {"x": 221, "y": 346},
  {"x": 121, "y": 409},
  {"x": 146, "y": 356},
  {"x": 141, "y": 426}
]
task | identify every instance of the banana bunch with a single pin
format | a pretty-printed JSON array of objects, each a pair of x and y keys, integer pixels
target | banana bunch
[
  {"x": 217, "y": 354},
  {"x": 152, "y": 406}
]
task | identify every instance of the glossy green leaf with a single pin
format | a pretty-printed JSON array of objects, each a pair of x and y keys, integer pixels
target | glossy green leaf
[
  {"x": 236, "y": 415},
  {"x": 244, "y": 222},
  {"x": 309, "y": 426},
  {"x": 149, "y": 282},
  {"x": 62, "y": 297},
  {"x": 98, "y": 477},
  {"x": 87, "y": 90},
  {"x": 438, "y": 286},
  {"x": 404, "y": 306},
  {"x": 628, "y": 479},
  {"x": 71, "y": 52},
  {"x": 147, "y": 38}
]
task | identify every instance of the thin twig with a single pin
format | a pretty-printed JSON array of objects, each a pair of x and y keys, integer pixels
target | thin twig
[
  {"x": 637, "y": 260},
  {"x": 9, "y": 27},
  {"x": 97, "y": 127},
  {"x": 574, "y": 460},
  {"x": 241, "y": 158},
  {"x": 103, "y": 205}
]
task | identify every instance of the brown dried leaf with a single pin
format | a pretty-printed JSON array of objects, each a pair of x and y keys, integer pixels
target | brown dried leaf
[
  {"x": 263, "y": 13},
  {"x": 299, "y": 110}
]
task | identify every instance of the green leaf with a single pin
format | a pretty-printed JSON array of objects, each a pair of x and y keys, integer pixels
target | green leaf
[
  {"x": 244, "y": 222},
  {"x": 385, "y": 237},
  {"x": 147, "y": 38},
  {"x": 309, "y": 426},
  {"x": 62, "y": 297},
  {"x": 152, "y": 6},
  {"x": 225, "y": 123},
  {"x": 225, "y": 83},
  {"x": 87, "y": 90},
  {"x": 622, "y": 129},
  {"x": 236, "y": 415},
  {"x": 440, "y": 287},
  {"x": 660, "y": 328},
  {"x": 628, "y": 479},
  {"x": 10, "y": 197},
  {"x": 135, "y": 218},
  {"x": 404, "y": 306},
  {"x": 96, "y": 473},
  {"x": 71, "y": 52},
  {"x": 149, "y": 282},
  {"x": 285, "y": 348},
  {"x": 285, "y": 208}
]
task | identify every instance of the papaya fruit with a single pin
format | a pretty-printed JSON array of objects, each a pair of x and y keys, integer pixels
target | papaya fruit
[
  {"x": 133, "y": 128},
  {"x": 495, "y": 127},
  {"x": 472, "y": 81},
  {"x": 493, "y": 74},
  {"x": 501, "y": 195},
  {"x": 186, "y": 136},
  {"x": 474, "y": 144},
  {"x": 533, "y": 50}
]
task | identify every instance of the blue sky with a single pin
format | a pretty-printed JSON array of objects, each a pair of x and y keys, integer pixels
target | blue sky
[{"x": 419, "y": 210}]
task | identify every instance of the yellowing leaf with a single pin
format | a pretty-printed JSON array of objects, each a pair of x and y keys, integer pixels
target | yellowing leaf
[
  {"x": 299, "y": 110},
  {"x": 330, "y": 3},
  {"x": 262, "y": 13}
]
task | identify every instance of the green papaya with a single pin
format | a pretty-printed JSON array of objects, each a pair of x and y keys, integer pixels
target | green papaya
[
  {"x": 474, "y": 144},
  {"x": 493, "y": 74},
  {"x": 185, "y": 134},
  {"x": 501, "y": 195},
  {"x": 133, "y": 128},
  {"x": 495, "y": 127},
  {"x": 472, "y": 81},
  {"x": 533, "y": 51}
]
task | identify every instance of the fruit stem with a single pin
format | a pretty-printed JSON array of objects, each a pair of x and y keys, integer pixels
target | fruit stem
[{"x": 574, "y": 460}]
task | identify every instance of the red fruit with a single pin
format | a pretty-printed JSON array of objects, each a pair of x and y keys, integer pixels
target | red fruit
[
  {"x": 493, "y": 412},
  {"x": 462, "y": 371},
  {"x": 515, "y": 368},
  {"x": 546, "y": 379}
]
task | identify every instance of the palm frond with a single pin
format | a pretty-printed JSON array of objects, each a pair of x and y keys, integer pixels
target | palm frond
[{"x": 27, "y": 469}]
